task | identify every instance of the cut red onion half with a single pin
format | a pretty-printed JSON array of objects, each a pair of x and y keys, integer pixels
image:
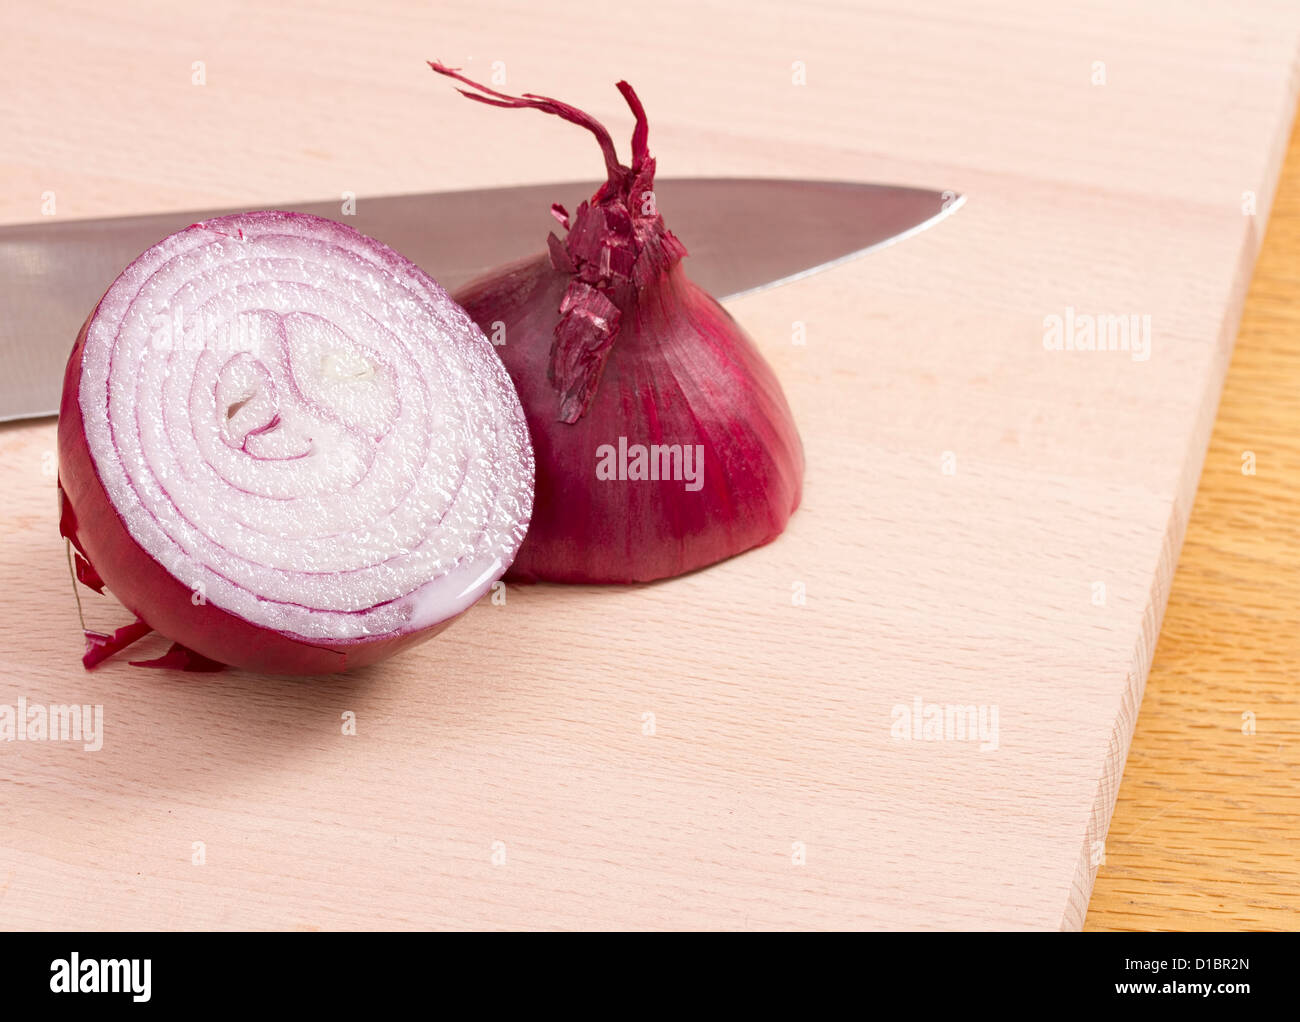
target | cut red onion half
[
  {"x": 664, "y": 442},
  {"x": 284, "y": 447}
]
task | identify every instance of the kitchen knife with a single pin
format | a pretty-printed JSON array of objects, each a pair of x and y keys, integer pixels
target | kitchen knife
[{"x": 743, "y": 235}]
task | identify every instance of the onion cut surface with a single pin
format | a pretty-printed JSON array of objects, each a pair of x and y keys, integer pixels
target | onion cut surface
[{"x": 283, "y": 446}]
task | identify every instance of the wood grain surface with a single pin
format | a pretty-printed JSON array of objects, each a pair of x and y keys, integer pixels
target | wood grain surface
[
  {"x": 713, "y": 751},
  {"x": 1204, "y": 832}
]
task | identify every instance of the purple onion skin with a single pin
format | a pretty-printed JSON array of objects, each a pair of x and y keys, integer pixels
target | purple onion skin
[{"x": 681, "y": 371}]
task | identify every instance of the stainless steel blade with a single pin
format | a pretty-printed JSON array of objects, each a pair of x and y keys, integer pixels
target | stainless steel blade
[{"x": 743, "y": 234}]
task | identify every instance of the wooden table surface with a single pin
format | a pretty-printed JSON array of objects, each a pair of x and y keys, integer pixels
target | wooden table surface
[
  {"x": 540, "y": 753},
  {"x": 1206, "y": 828}
]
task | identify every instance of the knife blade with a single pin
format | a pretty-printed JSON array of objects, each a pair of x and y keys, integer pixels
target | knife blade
[{"x": 743, "y": 235}]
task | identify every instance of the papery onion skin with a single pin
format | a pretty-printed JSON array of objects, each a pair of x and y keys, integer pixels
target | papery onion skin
[
  {"x": 682, "y": 370},
  {"x": 675, "y": 369},
  {"x": 205, "y": 635}
]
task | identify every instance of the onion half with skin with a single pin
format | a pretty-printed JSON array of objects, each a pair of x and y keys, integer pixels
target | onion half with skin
[
  {"x": 663, "y": 440},
  {"x": 284, "y": 447}
]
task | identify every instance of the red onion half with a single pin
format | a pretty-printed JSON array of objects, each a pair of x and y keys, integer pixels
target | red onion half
[
  {"x": 283, "y": 446},
  {"x": 663, "y": 440}
]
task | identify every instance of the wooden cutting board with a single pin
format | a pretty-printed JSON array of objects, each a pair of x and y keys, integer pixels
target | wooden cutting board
[{"x": 987, "y": 522}]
